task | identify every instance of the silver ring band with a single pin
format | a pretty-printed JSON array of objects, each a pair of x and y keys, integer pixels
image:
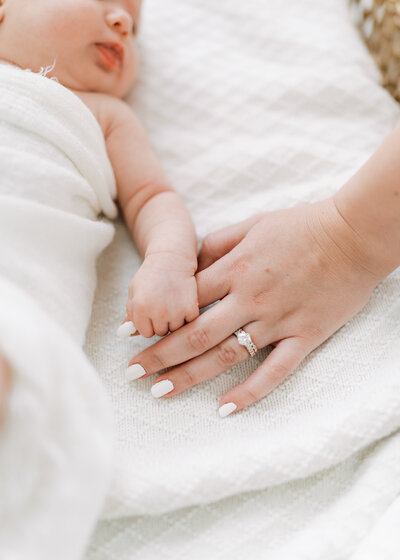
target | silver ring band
[{"x": 244, "y": 339}]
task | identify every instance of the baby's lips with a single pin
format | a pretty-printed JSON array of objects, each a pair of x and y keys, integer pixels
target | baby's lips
[{"x": 126, "y": 329}]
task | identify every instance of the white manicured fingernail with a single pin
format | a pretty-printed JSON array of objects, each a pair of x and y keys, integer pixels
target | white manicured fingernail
[
  {"x": 226, "y": 409},
  {"x": 135, "y": 372},
  {"x": 162, "y": 388},
  {"x": 126, "y": 329}
]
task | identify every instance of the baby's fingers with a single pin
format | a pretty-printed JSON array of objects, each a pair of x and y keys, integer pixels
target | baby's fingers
[
  {"x": 143, "y": 322},
  {"x": 160, "y": 324},
  {"x": 171, "y": 320},
  {"x": 138, "y": 312},
  {"x": 285, "y": 357},
  {"x": 175, "y": 324}
]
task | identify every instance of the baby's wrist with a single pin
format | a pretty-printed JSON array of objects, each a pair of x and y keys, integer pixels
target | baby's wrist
[{"x": 170, "y": 259}]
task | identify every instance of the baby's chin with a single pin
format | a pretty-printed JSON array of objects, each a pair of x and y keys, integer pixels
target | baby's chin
[
  {"x": 118, "y": 89},
  {"x": 116, "y": 86}
]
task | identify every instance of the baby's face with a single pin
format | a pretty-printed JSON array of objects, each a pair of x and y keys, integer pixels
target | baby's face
[{"x": 92, "y": 41}]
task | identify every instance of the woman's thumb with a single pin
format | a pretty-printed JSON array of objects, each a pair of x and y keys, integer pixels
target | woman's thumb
[{"x": 217, "y": 244}]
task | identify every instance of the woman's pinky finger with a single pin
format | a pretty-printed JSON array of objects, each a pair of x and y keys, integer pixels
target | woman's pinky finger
[{"x": 287, "y": 354}]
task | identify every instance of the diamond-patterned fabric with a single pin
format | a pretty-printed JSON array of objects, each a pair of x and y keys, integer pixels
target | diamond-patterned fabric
[{"x": 255, "y": 105}]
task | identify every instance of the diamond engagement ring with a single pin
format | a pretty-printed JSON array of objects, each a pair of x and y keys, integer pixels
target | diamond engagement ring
[{"x": 244, "y": 339}]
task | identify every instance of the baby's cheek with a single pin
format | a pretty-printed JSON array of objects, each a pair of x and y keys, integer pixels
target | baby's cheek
[{"x": 65, "y": 22}]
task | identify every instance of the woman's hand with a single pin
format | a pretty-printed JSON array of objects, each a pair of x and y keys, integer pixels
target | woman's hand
[{"x": 289, "y": 278}]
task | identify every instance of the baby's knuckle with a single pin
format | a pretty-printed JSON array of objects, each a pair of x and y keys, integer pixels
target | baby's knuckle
[
  {"x": 161, "y": 331},
  {"x": 129, "y": 308},
  {"x": 134, "y": 286},
  {"x": 198, "y": 339},
  {"x": 139, "y": 305},
  {"x": 175, "y": 325},
  {"x": 227, "y": 354},
  {"x": 192, "y": 311},
  {"x": 160, "y": 313},
  {"x": 146, "y": 332}
]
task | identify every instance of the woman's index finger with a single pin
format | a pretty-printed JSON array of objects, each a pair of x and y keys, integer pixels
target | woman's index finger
[{"x": 191, "y": 340}]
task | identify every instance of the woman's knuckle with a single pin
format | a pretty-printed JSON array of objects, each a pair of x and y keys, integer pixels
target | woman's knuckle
[
  {"x": 247, "y": 396},
  {"x": 312, "y": 332},
  {"x": 240, "y": 265},
  {"x": 198, "y": 339},
  {"x": 261, "y": 298},
  {"x": 227, "y": 354},
  {"x": 156, "y": 361},
  {"x": 278, "y": 372},
  {"x": 208, "y": 243},
  {"x": 187, "y": 377}
]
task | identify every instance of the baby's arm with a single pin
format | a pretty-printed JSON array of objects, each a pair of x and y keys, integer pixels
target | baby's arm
[{"x": 163, "y": 294}]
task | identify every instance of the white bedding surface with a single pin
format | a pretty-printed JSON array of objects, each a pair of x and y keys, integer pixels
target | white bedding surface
[{"x": 255, "y": 105}]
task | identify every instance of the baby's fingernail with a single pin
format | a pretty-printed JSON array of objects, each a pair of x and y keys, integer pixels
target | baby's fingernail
[
  {"x": 162, "y": 388},
  {"x": 126, "y": 329},
  {"x": 135, "y": 371},
  {"x": 226, "y": 409}
]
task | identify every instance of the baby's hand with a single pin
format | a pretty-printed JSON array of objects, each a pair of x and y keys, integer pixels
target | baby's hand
[{"x": 162, "y": 295}]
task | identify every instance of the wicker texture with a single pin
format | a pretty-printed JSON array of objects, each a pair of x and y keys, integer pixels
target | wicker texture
[{"x": 379, "y": 24}]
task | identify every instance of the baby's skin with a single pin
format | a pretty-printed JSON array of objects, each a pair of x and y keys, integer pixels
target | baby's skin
[{"x": 94, "y": 46}]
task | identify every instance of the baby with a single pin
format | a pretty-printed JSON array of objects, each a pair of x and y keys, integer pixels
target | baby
[{"x": 93, "y": 44}]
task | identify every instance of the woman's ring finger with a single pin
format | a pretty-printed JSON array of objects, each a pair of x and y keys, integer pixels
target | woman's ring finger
[{"x": 218, "y": 359}]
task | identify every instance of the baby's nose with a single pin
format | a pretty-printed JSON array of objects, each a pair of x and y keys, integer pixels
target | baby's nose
[{"x": 120, "y": 21}]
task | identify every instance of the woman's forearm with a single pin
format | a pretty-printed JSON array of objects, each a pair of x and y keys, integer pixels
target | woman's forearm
[{"x": 370, "y": 204}]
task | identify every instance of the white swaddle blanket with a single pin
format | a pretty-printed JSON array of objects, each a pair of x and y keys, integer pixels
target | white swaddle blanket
[
  {"x": 256, "y": 105},
  {"x": 56, "y": 443}
]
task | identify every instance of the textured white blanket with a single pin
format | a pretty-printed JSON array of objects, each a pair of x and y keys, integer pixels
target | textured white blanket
[
  {"x": 256, "y": 105},
  {"x": 56, "y": 444}
]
